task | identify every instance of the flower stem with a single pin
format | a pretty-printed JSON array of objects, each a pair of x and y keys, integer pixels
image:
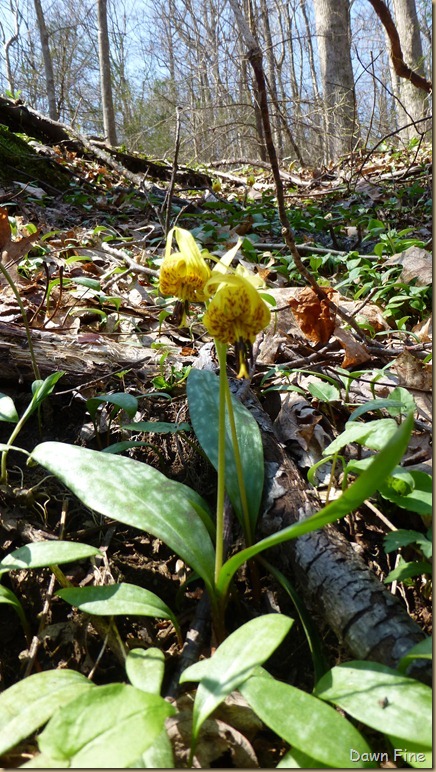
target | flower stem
[
  {"x": 239, "y": 472},
  {"x": 221, "y": 352}
]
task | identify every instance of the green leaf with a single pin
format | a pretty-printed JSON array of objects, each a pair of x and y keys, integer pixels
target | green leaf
[
  {"x": 137, "y": 495},
  {"x": 109, "y": 726},
  {"x": 373, "y": 434},
  {"x": 46, "y": 553},
  {"x": 404, "y": 570},
  {"x": 7, "y": 409},
  {"x": 145, "y": 669},
  {"x": 116, "y": 600},
  {"x": 422, "y": 650},
  {"x": 325, "y": 392},
  {"x": 28, "y": 704},
  {"x": 295, "y": 759},
  {"x": 403, "y": 537},
  {"x": 419, "y": 500},
  {"x": 413, "y": 754},
  {"x": 203, "y": 399},
  {"x": 124, "y": 401},
  {"x": 233, "y": 661},
  {"x": 41, "y": 390},
  {"x": 304, "y": 722},
  {"x": 382, "y": 699},
  {"x": 364, "y": 487},
  {"x": 7, "y": 596}
]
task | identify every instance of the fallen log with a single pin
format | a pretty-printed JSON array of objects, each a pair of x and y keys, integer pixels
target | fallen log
[
  {"x": 81, "y": 361},
  {"x": 333, "y": 579}
]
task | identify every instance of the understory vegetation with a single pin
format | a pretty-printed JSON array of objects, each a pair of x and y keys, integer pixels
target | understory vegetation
[{"x": 215, "y": 478}]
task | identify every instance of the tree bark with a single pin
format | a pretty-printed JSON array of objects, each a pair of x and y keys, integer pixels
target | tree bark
[
  {"x": 48, "y": 64},
  {"x": 333, "y": 31},
  {"x": 105, "y": 74},
  {"x": 334, "y": 581}
]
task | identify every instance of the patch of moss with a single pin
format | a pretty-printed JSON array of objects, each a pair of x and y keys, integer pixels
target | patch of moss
[{"x": 19, "y": 161}]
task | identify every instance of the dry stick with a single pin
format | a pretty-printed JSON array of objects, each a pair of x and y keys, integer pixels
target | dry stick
[
  {"x": 254, "y": 56},
  {"x": 170, "y": 192}
]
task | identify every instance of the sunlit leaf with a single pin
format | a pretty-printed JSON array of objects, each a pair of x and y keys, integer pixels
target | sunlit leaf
[
  {"x": 233, "y": 661},
  {"x": 46, "y": 553}
]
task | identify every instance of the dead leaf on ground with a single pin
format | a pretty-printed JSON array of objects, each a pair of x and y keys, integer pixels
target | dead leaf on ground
[
  {"x": 423, "y": 330},
  {"x": 298, "y": 426},
  {"x": 12, "y": 251},
  {"x": 314, "y": 317},
  {"x": 412, "y": 373},
  {"x": 355, "y": 353},
  {"x": 417, "y": 264}
]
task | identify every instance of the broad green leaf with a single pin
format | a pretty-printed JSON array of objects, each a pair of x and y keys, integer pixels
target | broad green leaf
[
  {"x": 413, "y": 753},
  {"x": 145, "y": 669},
  {"x": 109, "y": 726},
  {"x": 41, "y": 390},
  {"x": 351, "y": 499},
  {"x": 382, "y": 699},
  {"x": 39, "y": 554},
  {"x": 159, "y": 427},
  {"x": 158, "y": 756},
  {"x": 325, "y": 392},
  {"x": 137, "y": 495},
  {"x": 41, "y": 761},
  {"x": 126, "y": 402},
  {"x": 7, "y": 409},
  {"x": 422, "y": 650},
  {"x": 27, "y": 705},
  {"x": 403, "y": 537},
  {"x": 373, "y": 434},
  {"x": 295, "y": 759},
  {"x": 203, "y": 399},
  {"x": 419, "y": 500},
  {"x": 303, "y": 721},
  {"x": 233, "y": 661},
  {"x": 120, "y": 447},
  {"x": 118, "y": 599},
  {"x": 7, "y": 596},
  {"x": 407, "y": 570}
]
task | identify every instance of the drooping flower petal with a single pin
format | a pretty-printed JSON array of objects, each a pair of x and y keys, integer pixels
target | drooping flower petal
[
  {"x": 183, "y": 274},
  {"x": 235, "y": 314}
]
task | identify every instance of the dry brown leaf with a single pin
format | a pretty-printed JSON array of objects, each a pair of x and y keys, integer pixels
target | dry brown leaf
[
  {"x": 412, "y": 373},
  {"x": 423, "y": 330},
  {"x": 355, "y": 353},
  {"x": 12, "y": 251},
  {"x": 417, "y": 264},
  {"x": 313, "y": 315}
]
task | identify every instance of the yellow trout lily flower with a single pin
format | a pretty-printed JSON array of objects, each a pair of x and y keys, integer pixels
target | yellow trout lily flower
[
  {"x": 235, "y": 314},
  {"x": 183, "y": 274}
]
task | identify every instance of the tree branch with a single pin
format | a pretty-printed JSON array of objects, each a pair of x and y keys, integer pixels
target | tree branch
[{"x": 400, "y": 66}]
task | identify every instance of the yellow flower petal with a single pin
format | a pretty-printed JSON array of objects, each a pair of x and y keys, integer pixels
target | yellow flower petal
[
  {"x": 183, "y": 274},
  {"x": 236, "y": 312}
]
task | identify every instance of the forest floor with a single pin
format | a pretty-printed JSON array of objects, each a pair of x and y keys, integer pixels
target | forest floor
[{"x": 85, "y": 264}]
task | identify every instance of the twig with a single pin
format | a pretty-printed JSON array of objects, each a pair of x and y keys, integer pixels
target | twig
[
  {"x": 170, "y": 192},
  {"x": 133, "y": 265},
  {"x": 254, "y": 56}
]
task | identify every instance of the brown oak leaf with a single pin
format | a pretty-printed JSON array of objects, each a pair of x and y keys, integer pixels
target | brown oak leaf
[{"x": 313, "y": 316}]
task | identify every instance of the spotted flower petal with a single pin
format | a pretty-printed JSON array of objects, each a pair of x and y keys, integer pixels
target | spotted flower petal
[
  {"x": 235, "y": 314},
  {"x": 183, "y": 274}
]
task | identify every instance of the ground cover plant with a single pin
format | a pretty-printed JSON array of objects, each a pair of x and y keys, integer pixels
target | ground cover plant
[{"x": 207, "y": 465}]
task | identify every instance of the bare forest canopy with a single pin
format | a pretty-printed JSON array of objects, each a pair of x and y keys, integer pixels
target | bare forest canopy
[
  {"x": 340, "y": 75},
  {"x": 215, "y": 384}
]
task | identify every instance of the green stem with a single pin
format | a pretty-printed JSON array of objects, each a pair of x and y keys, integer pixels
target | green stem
[
  {"x": 239, "y": 471},
  {"x": 221, "y": 352}
]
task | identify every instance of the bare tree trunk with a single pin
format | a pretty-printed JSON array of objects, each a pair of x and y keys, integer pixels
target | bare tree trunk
[
  {"x": 413, "y": 99},
  {"x": 333, "y": 31},
  {"x": 48, "y": 64},
  {"x": 105, "y": 74},
  {"x": 272, "y": 77}
]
